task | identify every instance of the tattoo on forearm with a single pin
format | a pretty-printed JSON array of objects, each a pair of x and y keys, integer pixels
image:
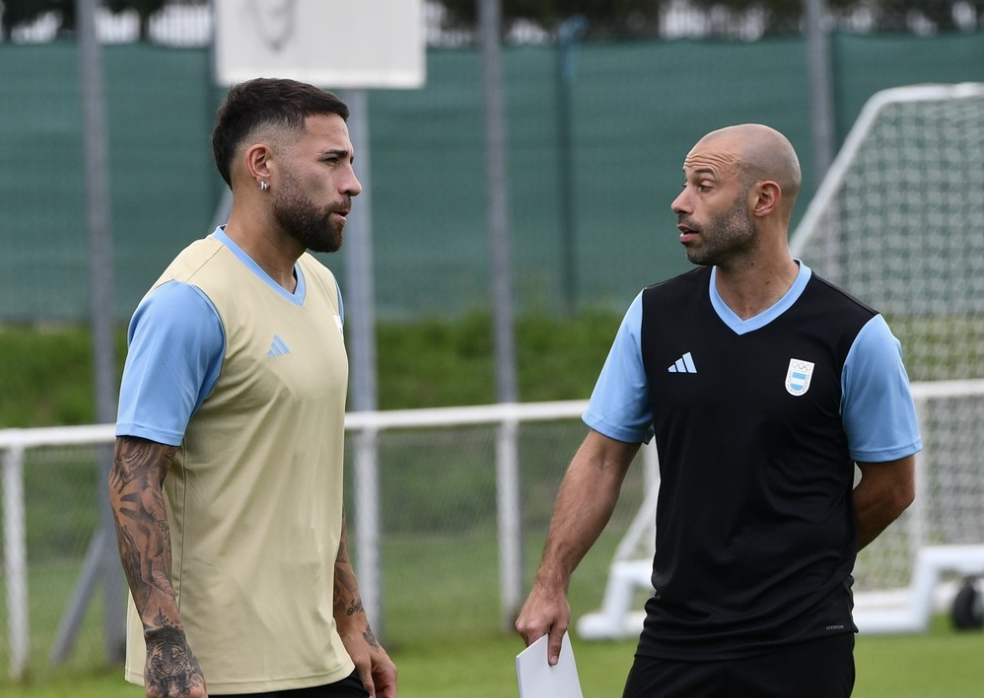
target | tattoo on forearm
[
  {"x": 141, "y": 526},
  {"x": 346, "y": 594},
  {"x": 171, "y": 665},
  {"x": 139, "y": 467},
  {"x": 347, "y": 597}
]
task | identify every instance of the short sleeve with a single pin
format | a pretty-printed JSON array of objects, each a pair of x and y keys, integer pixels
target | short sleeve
[
  {"x": 878, "y": 412},
  {"x": 619, "y": 405},
  {"x": 175, "y": 348}
]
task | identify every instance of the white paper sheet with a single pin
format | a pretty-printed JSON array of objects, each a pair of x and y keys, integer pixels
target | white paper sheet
[{"x": 537, "y": 679}]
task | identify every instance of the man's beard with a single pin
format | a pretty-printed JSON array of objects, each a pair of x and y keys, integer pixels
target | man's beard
[
  {"x": 732, "y": 235},
  {"x": 313, "y": 227}
]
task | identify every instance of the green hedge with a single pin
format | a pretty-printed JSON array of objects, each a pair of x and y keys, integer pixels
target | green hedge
[{"x": 46, "y": 374}]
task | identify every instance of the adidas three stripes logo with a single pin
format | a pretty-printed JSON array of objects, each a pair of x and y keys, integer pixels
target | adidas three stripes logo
[
  {"x": 278, "y": 347},
  {"x": 685, "y": 364}
]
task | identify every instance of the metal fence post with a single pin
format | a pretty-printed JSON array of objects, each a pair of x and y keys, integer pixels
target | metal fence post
[
  {"x": 15, "y": 560},
  {"x": 508, "y": 502},
  {"x": 367, "y": 525}
]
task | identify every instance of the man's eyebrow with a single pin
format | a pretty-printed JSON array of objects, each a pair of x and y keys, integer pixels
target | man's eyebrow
[{"x": 339, "y": 153}]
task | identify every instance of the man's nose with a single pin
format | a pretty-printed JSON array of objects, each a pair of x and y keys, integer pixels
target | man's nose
[
  {"x": 681, "y": 204},
  {"x": 352, "y": 186}
]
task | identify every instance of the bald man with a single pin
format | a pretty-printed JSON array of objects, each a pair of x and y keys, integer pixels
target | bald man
[{"x": 765, "y": 388}]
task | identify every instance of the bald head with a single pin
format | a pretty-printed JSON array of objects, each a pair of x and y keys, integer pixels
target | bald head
[{"x": 761, "y": 153}]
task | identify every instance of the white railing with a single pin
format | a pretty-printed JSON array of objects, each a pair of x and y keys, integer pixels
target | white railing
[
  {"x": 365, "y": 426},
  {"x": 364, "y": 429}
]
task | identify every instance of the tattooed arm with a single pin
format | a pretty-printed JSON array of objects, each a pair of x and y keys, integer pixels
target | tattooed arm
[
  {"x": 375, "y": 668},
  {"x": 139, "y": 467}
]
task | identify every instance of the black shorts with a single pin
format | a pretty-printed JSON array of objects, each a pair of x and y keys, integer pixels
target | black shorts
[
  {"x": 350, "y": 687},
  {"x": 815, "y": 669}
]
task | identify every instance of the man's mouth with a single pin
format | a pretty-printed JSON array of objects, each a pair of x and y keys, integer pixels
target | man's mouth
[{"x": 687, "y": 233}]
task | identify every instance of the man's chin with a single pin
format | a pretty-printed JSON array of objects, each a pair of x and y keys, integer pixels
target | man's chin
[
  {"x": 331, "y": 242},
  {"x": 326, "y": 249},
  {"x": 695, "y": 257}
]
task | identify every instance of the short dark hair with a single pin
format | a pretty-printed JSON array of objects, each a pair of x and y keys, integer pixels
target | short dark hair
[{"x": 262, "y": 102}]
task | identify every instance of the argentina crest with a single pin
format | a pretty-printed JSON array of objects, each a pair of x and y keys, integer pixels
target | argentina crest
[{"x": 798, "y": 377}]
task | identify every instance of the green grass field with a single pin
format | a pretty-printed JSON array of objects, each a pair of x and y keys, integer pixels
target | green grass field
[
  {"x": 440, "y": 580},
  {"x": 443, "y": 652},
  {"x": 940, "y": 664},
  {"x": 443, "y": 635}
]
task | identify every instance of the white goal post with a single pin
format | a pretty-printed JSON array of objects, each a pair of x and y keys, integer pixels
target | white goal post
[{"x": 898, "y": 222}]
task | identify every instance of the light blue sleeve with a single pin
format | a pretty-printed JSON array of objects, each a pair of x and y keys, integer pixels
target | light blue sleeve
[
  {"x": 877, "y": 408},
  {"x": 619, "y": 405},
  {"x": 176, "y": 345}
]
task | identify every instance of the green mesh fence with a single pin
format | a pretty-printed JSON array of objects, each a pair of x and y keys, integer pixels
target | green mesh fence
[{"x": 635, "y": 110}]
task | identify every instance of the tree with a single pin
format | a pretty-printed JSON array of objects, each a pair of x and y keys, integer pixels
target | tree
[
  {"x": 145, "y": 9},
  {"x": 618, "y": 17},
  {"x": 899, "y": 15},
  {"x": 782, "y": 15},
  {"x": 17, "y": 13},
  {"x": 625, "y": 18}
]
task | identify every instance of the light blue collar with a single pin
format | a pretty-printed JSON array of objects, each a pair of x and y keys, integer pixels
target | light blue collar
[
  {"x": 739, "y": 326},
  {"x": 297, "y": 297}
]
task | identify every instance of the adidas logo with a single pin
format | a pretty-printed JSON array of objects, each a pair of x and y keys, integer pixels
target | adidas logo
[
  {"x": 278, "y": 347},
  {"x": 685, "y": 364}
]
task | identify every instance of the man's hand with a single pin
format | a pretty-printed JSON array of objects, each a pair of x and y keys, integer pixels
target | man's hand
[
  {"x": 545, "y": 612},
  {"x": 375, "y": 668},
  {"x": 586, "y": 500},
  {"x": 172, "y": 670}
]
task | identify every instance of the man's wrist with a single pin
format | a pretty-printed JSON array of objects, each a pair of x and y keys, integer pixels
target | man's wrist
[
  {"x": 552, "y": 580},
  {"x": 166, "y": 634}
]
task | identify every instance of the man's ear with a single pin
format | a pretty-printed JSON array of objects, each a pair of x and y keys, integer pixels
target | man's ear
[
  {"x": 257, "y": 158},
  {"x": 767, "y": 195}
]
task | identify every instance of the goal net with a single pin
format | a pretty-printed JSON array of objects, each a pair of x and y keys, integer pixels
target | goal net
[{"x": 899, "y": 222}]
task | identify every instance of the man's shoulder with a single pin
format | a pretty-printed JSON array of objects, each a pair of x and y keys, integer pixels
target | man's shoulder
[
  {"x": 836, "y": 299},
  {"x": 685, "y": 283},
  {"x": 191, "y": 260},
  {"x": 697, "y": 276}
]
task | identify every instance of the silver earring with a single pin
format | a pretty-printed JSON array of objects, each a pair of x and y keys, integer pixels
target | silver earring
[{"x": 264, "y": 186}]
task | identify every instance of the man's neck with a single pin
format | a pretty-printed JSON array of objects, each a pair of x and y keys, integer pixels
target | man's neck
[
  {"x": 273, "y": 251},
  {"x": 751, "y": 289}
]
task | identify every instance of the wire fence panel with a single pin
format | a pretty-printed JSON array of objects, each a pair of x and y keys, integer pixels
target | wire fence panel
[
  {"x": 439, "y": 530},
  {"x": 439, "y": 536}
]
